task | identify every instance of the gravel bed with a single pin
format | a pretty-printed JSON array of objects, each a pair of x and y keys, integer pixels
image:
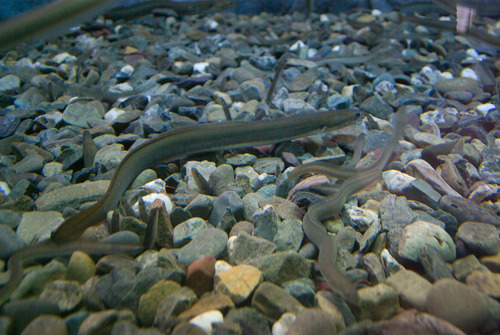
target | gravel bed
[{"x": 231, "y": 257}]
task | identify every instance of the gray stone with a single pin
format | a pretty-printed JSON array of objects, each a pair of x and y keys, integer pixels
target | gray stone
[
  {"x": 463, "y": 306},
  {"x": 72, "y": 196},
  {"x": 66, "y": 294},
  {"x": 201, "y": 206},
  {"x": 187, "y": 231},
  {"x": 289, "y": 235},
  {"x": 272, "y": 301},
  {"x": 285, "y": 266},
  {"x": 266, "y": 223},
  {"x": 395, "y": 214},
  {"x": 464, "y": 266},
  {"x": 480, "y": 238},
  {"x": 37, "y": 226},
  {"x": 173, "y": 305},
  {"x": 110, "y": 157},
  {"x": 376, "y": 302},
  {"x": 420, "y": 234},
  {"x": 466, "y": 210},
  {"x": 301, "y": 289},
  {"x": 211, "y": 242},
  {"x": 79, "y": 115},
  {"x": 251, "y": 249},
  {"x": 9, "y": 242},
  {"x": 228, "y": 200},
  {"x": 34, "y": 282},
  {"x": 220, "y": 178},
  {"x": 22, "y": 312}
]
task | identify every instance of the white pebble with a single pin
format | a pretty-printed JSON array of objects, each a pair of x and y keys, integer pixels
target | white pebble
[
  {"x": 121, "y": 88},
  {"x": 150, "y": 198},
  {"x": 230, "y": 244},
  {"x": 156, "y": 186},
  {"x": 297, "y": 45},
  {"x": 207, "y": 319},
  {"x": 281, "y": 326},
  {"x": 469, "y": 73},
  {"x": 324, "y": 18},
  {"x": 200, "y": 67},
  {"x": 128, "y": 69},
  {"x": 65, "y": 57},
  {"x": 4, "y": 188},
  {"x": 484, "y": 109},
  {"x": 222, "y": 266},
  {"x": 396, "y": 180},
  {"x": 113, "y": 114}
]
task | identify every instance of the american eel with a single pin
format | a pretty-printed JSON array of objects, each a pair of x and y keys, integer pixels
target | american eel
[
  {"x": 49, "y": 20},
  {"x": 202, "y": 138},
  {"x": 53, "y": 250},
  {"x": 357, "y": 179},
  {"x": 326, "y": 244}
]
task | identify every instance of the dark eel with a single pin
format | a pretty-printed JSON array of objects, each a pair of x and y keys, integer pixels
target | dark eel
[{"x": 179, "y": 143}]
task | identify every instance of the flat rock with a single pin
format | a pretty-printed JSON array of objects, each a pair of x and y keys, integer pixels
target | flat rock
[
  {"x": 412, "y": 289},
  {"x": 239, "y": 282},
  {"x": 212, "y": 242},
  {"x": 480, "y": 238},
  {"x": 283, "y": 266},
  {"x": 72, "y": 196},
  {"x": 272, "y": 301},
  {"x": 37, "y": 226},
  {"x": 376, "y": 302},
  {"x": 486, "y": 282}
]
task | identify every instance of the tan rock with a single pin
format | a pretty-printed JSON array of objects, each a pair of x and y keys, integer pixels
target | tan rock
[{"x": 412, "y": 289}]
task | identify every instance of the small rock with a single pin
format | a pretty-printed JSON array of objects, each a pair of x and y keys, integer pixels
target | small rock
[
  {"x": 200, "y": 275},
  {"x": 272, "y": 301},
  {"x": 212, "y": 242},
  {"x": 420, "y": 234},
  {"x": 480, "y": 238},
  {"x": 239, "y": 282},
  {"x": 46, "y": 325},
  {"x": 207, "y": 320},
  {"x": 67, "y": 294},
  {"x": 150, "y": 300},
  {"x": 412, "y": 289},
  {"x": 485, "y": 282},
  {"x": 464, "y": 266},
  {"x": 376, "y": 303}
]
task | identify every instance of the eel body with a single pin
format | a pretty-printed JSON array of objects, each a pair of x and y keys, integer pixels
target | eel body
[
  {"x": 197, "y": 139},
  {"x": 326, "y": 244},
  {"x": 49, "y": 20}
]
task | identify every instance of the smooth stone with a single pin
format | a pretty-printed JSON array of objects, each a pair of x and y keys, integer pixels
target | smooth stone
[
  {"x": 282, "y": 325},
  {"x": 376, "y": 107},
  {"x": 419, "y": 168},
  {"x": 268, "y": 165},
  {"x": 149, "y": 301},
  {"x": 81, "y": 267},
  {"x": 302, "y": 290},
  {"x": 485, "y": 282},
  {"x": 9, "y": 83},
  {"x": 129, "y": 327},
  {"x": 272, "y": 301},
  {"x": 421, "y": 191},
  {"x": 31, "y": 163},
  {"x": 456, "y": 84},
  {"x": 396, "y": 181},
  {"x": 200, "y": 275},
  {"x": 67, "y": 294},
  {"x": 449, "y": 172},
  {"x": 79, "y": 115},
  {"x": 253, "y": 89},
  {"x": 434, "y": 265},
  {"x": 110, "y": 156},
  {"x": 187, "y": 231},
  {"x": 313, "y": 321},
  {"x": 465, "y": 210},
  {"x": 212, "y": 242},
  {"x": 241, "y": 160},
  {"x": 10, "y": 242},
  {"x": 480, "y": 238},
  {"x": 251, "y": 203},
  {"x": 37, "y": 226},
  {"x": 22, "y": 312},
  {"x": 420, "y": 234},
  {"x": 34, "y": 282},
  {"x": 201, "y": 206},
  {"x": 207, "y": 320},
  {"x": 169, "y": 308},
  {"x": 334, "y": 306},
  {"x": 285, "y": 209},
  {"x": 251, "y": 250},
  {"x": 102, "y": 322},
  {"x": 464, "y": 266},
  {"x": 216, "y": 301},
  {"x": 462, "y": 306},
  {"x": 239, "y": 282},
  {"x": 412, "y": 289},
  {"x": 281, "y": 267},
  {"x": 491, "y": 262},
  {"x": 376, "y": 302},
  {"x": 72, "y": 196},
  {"x": 46, "y": 325}
]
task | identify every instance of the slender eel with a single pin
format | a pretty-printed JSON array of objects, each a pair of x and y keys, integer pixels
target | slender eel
[
  {"x": 201, "y": 138},
  {"x": 49, "y": 20},
  {"x": 357, "y": 179},
  {"x": 326, "y": 244},
  {"x": 51, "y": 250}
]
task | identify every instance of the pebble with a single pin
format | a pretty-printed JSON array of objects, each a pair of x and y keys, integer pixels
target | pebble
[
  {"x": 480, "y": 238},
  {"x": 239, "y": 282},
  {"x": 420, "y": 234},
  {"x": 376, "y": 303},
  {"x": 412, "y": 289},
  {"x": 272, "y": 301}
]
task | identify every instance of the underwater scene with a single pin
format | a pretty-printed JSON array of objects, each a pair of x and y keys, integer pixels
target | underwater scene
[{"x": 230, "y": 167}]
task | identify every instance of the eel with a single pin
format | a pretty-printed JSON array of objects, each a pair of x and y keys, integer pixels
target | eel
[
  {"x": 49, "y": 20},
  {"x": 180, "y": 7},
  {"x": 327, "y": 245},
  {"x": 201, "y": 138},
  {"x": 357, "y": 179},
  {"x": 53, "y": 250}
]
